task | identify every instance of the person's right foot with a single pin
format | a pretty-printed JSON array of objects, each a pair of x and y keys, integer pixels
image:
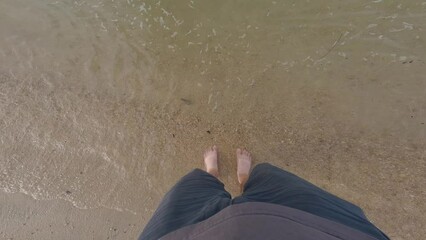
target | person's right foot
[{"x": 243, "y": 166}]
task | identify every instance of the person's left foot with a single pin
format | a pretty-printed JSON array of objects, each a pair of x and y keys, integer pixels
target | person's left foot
[{"x": 210, "y": 161}]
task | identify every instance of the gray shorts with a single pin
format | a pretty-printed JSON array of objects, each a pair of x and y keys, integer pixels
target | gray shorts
[{"x": 199, "y": 195}]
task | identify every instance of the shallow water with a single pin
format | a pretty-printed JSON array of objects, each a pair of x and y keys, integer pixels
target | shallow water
[{"x": 107, "y": 103}]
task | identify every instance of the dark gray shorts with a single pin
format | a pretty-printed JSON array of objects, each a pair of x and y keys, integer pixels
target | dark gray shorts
[{"x": 199, "y": 195}]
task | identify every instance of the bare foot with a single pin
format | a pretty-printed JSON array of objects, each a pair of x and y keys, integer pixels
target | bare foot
[
  {"x": 210, "y": 161},
  {"x": 243, "y": 166}
]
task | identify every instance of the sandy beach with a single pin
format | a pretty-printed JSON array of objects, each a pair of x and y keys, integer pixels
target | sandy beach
[{"x": 104, "y": 105}]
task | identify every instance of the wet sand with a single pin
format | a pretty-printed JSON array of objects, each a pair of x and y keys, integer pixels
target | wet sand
[{"x": 104, "y": 105}]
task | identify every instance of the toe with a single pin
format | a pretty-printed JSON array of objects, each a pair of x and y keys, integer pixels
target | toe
[
  {"x": 239, "y": 151},
  {"x": 210, "y": 150}
]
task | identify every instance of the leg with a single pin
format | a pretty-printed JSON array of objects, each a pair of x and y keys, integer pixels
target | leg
[
  {"x": 196, "y": 197},
  {"x": 273, "y": 185}
]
